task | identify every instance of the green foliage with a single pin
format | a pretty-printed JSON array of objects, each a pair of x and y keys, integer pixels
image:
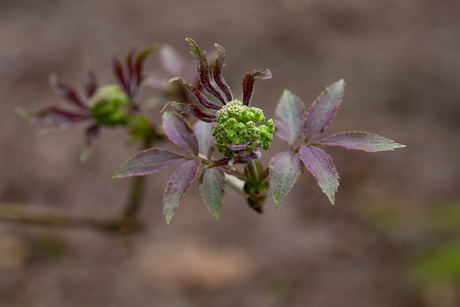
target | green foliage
[
  {"x": 110, "y": 106},
  {"x": 236, "y": 124},
  {"x": 441, "y": 265}
]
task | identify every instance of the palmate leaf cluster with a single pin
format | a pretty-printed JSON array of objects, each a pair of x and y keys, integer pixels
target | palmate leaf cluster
[
  {"x": 221, "y": 122},
  {"x": 293, "y": 122}
]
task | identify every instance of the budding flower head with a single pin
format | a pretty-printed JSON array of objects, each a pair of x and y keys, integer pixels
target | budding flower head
[
  {"x": 110, "y": 106},
  {"x": 236, "y": 124}
]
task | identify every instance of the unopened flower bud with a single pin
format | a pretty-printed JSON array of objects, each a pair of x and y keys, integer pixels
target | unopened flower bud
[
  {"x": 110, "y": 106},
  {"x": 236, "y": 124}
]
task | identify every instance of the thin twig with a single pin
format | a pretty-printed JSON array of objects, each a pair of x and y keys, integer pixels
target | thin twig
[
  {"x": 20, "y": 213},
  {"x": 136, "y": 193}
]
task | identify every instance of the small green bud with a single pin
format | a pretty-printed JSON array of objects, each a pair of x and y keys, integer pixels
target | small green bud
[
  {"x": 236, "y": 124},
  {"x": 110, "y": 106}
]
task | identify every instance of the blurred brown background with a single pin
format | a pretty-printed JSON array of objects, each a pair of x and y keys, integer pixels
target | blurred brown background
[{"x": 392, "y": 238}]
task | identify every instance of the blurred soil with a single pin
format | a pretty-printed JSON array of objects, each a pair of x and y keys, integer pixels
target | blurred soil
[{"x": 401, "y": 63}]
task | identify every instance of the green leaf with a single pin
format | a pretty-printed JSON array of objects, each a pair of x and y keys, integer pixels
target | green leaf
[
  {"x": 212, "y": 190},
  {"x": 441, "y": 265},
  {"x": 285, "y": 168}
]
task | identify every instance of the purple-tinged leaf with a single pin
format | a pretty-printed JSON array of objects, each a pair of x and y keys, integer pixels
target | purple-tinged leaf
[
  {"x": 177, "y": 186},
  {"x": 203, "y": 70},
  {"x": 131, "y": 69},
  {"x": 243, "y": 159},
  {"x": 364, "y": 141},
  {"x": 237, "y": 159},
  {"x": 90, "y": 82},
  {"x": 248, "y": 83},
  {"x": 212, "y": 190},
  {"x": 285, "y": 168},
  {"x": 319, "y": 163},
  {"x": 62, "y": 118},
  {"x": 119, "y": 72},
  {"x": 140, "y": 61},
  {"x": 220, "y": 162},
  {"x": 243, "y": 147},
  {"x": 147, "y": 162},
  {"x": 194, "y": 111},
  {"x": 217, "y": 73},
  {"x": 178, "y": 130},
  {"x": 201, "y": 98},
  {"x": 67, "y": 92},
  {"x": 203, "y": 133},
  {"x": 290, "y": 118},
  {"x": 91, "y": 135},
  {"x": 323, "y": 110},
  {"x": 171, "y": 61}
]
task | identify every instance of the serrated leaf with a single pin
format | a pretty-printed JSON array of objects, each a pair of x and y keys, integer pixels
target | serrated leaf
[
  {"x": 203, "y": 70},
  {"x": 248, "y": 83},
  {"x": 177, "y": 186},
  {"x": 217, "y": 73},
  {"x": 285, "y": 168},
  {"x": 178, "y": 130},
  {"x": 323, "y": 110},
  {"x": 212, "y": 190},
  {"x": 201, "y": 98},
  {"x": 170, "y": 60},
  {"x": 147, "y": 162},
  {"x": 320, "y": 164},
  {"x": 290, "y": 118},
  {"x": 364, "y": 141},
  {"x": 203, "y": 133}
]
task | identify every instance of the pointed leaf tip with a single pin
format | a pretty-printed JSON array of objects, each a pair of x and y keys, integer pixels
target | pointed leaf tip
[
  {"x": 177, "y": 186},
  {"x": 324, "y": 109},
  {"x": 249, "y": 80},
  {"x": 320, "y": 164},
  {"x": 212, "y": 190},
  {"x": 364, "y": 141}
]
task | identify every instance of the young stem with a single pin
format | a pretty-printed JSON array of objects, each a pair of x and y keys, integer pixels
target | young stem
[
  {"x": 136, "y": 193},
  {"x": 17, "y": 213},
  {"x": 235, "y": 183},
  {"x": 126, "y": 222},
  {"x": 253, "y": 173}
]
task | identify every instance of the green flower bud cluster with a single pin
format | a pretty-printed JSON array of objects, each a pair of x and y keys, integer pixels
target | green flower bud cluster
[
  {"x": 236, "y": 124},
  {"x": 110, "y": 106}
]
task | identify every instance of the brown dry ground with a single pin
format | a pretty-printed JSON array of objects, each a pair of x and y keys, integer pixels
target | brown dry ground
[{"x": 401, "y": 63}]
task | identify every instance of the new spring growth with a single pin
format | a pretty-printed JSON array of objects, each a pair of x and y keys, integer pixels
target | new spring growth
[
  {"x": 110, "y": 106},
  {"x": 236, "y": 124}
]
